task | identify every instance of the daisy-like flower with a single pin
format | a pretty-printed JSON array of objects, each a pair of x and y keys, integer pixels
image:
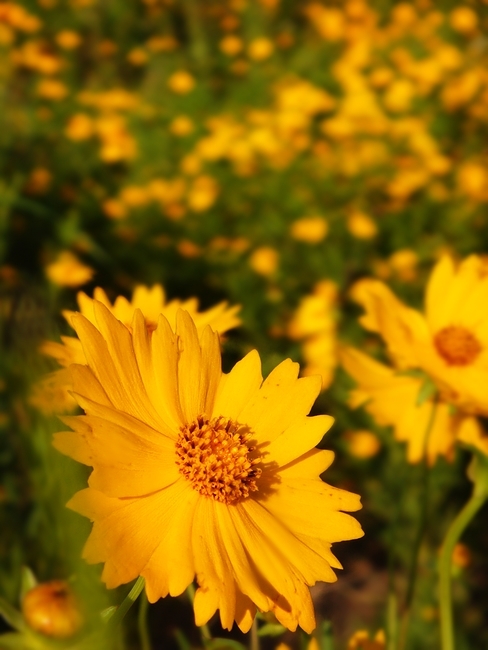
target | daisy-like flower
[
  {"x": 52, "y": 393},
  {"x": 201, "y": 474},
  {"x": 450, "y": 342}
]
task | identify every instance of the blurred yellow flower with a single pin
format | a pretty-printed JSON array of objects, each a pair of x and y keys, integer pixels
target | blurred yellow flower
[
  {"x": 463, "y": 20},
  {"x": 203, "y": 193},
  {"x": 461, "y": 556},
  {"x": 67, "y": 39},
  {"x": 361, "y": 639},
  {"x": 137, "y": 56},
  {"x": 181, "y": 82},
  {"x": 52, "y": 89},
  {"x": 264, "y": 260},
  {"x": 134, "y": 196},
  {"x": 362, "y": 443},
  {"x": 188, "y": 248},
  {"x": 79, "y": 127},
  {"x": 449, "y": 343},
  {"x": 361, "y": 226},
  {"x": 315, "y": 322},
  {"x": 260, "y": 49},
  {"x": 472, "y": 180},
  {"x": 149, "y": 403},
  {"x": 329, "y": 22},
  {"x": 309, "y": 229},
  {"x": 231, "y": 45},
  {"x": 398, "y": 96},
  {"x": 404, "y": 263},
  {"x": 181, "y": 126},
  {"x": 114, "y": 209},
  {"x": 68, "y": 271},
  {"x": 39, "y": 180},
  {"x": 52, "y": 609}
]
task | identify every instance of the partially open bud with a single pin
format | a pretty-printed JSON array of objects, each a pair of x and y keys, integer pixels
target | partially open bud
[{"x": 52, "y": 609}]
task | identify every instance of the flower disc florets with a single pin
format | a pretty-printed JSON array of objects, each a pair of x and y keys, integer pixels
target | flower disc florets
[
  {"x": 457, "y": 345},
  {"x": 215, "y": 457}
]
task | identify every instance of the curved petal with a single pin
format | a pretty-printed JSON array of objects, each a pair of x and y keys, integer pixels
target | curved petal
[
  {"x": 127, "y": 532},
  {"x": 237, "y": 388}
]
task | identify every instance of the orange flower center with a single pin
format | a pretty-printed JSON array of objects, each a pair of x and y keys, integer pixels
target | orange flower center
[
  {"x": 215, "y": 457},
  {"x": 457, "y": 345}
]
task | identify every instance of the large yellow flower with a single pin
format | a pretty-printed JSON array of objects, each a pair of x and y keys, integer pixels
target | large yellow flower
[
  {"x": 197, "y": 473},
  {"x": 449, "y": 342},
  {"x": 51, "y": 395}
]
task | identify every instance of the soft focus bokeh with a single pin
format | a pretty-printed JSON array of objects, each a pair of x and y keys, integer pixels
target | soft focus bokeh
[{"x": 267, "y": 153}]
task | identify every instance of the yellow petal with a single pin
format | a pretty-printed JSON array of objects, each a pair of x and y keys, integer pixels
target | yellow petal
[
  {"x": 84, "y": 382},
  {"x": 126, "y": 532},
  {"x": 120, "y": 348},
  {"x": 440, "y": 279},
  {"x": 157, "y": 357},
  {"x": 296, "y": 440},
  {"x": 281, "y": 401},
  {"x": 238, "y": 387},
  {"x": 199, "y": 367},
  {"x": 310, "y": 465},
  {"x": 214, "y": 571}
]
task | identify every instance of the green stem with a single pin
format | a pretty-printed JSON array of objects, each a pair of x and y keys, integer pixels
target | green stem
[
  {"x": 254, "y": 645},
  {"x": 455, "y": 531},
  {"x": 142, "y": 624},
  {"x": 204, "y": 629},
  {"x": 327, "y": 636},
  {"x": 424, "y": 496},
  {"x": 392, "y": 620},
  {"x": 127, "y": 603}
]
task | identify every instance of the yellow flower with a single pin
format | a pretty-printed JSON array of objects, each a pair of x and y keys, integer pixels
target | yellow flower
[
  {"x": 137, "y": 56},
  {"x": 361, "y": 640},
  {"x": 260, "y": 49},
  {"x": 114, "y": 209},
  {"x": 181, "y": 126},
  {"x": 68, "y": 271},
  {"x": 449, "y": 343},
  {"x": 463, "y": 20},
  {"x": 404, "y": 263},
  {"x": 361, "y": 226},
  {"x": 68, "y": 39},
  {"x": 231, "y": 45},
  {"x": 311, "y": 230},
  {"x": 315, "y": 322},
  {"x": 52, "y": 89},
  {"x": 264, "y": 260},
  {"x": 240, "y": 514},
  {"x": 52, "y": 609},
  {"x": 79, "y": 127},
  {"x": 362, "y": 444},
  {"x": 181, "y": 82},
  {"x": 202, "y": 193}
]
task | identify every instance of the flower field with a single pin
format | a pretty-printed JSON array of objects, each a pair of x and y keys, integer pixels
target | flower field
[{"x": 244, "y": 322}]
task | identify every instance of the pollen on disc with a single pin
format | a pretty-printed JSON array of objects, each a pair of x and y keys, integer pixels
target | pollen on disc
[{"x": 215, "y": 456}]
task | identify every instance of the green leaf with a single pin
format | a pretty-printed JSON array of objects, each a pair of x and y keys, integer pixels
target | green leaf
[
  {"x": 12, "y": 616},
  {"x": 13, "y": 641},
  {"x": 181, "y": 640},
  {"x": 426, "y": 391},
  {"x": 27, "y": 581},
  {"x": 107, "y": 613},
  {"x": 225, "y": 644},
  {"x": 478, "y": 472},
  {"x": 271, "y": 629}
]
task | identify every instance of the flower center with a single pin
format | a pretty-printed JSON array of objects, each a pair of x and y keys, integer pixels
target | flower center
[
  {"x": 215, "y": 457},
  {"x": 457, "y": 345}
]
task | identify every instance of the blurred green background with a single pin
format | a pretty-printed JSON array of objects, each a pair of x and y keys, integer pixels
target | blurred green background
[{"x": 264, "y": 152}]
